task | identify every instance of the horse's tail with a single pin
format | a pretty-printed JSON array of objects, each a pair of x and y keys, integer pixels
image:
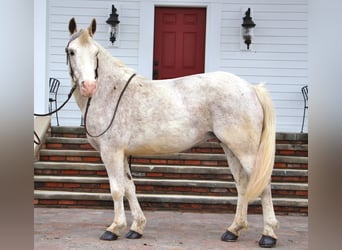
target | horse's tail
[{"x": 262, "y": 171}]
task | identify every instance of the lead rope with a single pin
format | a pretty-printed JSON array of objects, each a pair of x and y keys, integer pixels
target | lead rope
[
  {"x": 60, "y": 107},
  {"x": 38, "y": 142},
  {"x": 115, "y": 110}
]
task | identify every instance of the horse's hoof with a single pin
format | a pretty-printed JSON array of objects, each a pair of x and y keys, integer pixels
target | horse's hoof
[
  {"x": 229, "y": 236},
  {"x": 108, "y": 236},
  {"x": 267, "y": 241},
  {"x": 133, "y": 235}
]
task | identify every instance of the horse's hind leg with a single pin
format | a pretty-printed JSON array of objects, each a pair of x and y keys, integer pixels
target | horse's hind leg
[
  {"x": 139, "y": 220},
  {"x": 268, "y": 238},
  {"x": 241, "y": 180}
]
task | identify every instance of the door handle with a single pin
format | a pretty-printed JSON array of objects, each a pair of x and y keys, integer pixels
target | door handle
[{"x": 155, "y": 73}]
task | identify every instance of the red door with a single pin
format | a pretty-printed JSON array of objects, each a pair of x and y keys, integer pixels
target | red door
[{"x": 179, "y": 42}]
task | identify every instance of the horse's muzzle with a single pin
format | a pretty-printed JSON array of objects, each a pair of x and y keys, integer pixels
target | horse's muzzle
[{"x": 88, "y": 88}]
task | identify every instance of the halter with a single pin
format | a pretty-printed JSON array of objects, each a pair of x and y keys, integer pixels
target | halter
[{"x": 72, "y": 38}]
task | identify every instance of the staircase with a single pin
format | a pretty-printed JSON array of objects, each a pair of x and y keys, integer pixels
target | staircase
[{"x": 70, "y": 173}]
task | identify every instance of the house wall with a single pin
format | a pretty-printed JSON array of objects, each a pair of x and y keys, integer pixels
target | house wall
[{"x": 278, "y": 53}]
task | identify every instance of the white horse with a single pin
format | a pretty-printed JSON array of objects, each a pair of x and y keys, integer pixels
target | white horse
[{"x": 131, "y": 115}]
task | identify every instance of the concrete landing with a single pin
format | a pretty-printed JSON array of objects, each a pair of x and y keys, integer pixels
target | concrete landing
[{"x": 56, "y": 228}]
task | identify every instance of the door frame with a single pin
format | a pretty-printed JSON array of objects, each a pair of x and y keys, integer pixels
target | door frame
[{"x": 212, "y": 38}]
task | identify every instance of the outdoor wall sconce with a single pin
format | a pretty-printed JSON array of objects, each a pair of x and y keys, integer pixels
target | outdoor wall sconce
[
  {"x": 113, "y": 21},
  {"x": 247, "y": 28}
]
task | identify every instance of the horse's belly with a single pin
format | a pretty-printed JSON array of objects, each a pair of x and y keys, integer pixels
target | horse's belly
[{"x": 166, "y": 143}]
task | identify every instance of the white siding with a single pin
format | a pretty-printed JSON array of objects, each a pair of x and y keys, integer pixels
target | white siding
[{"x": 278, "y": 56}]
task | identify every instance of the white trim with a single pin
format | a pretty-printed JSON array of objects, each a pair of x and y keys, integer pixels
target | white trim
[
  {"x": 213, "y": 33},
  {"x": 146, "y": 38},
  {"x": 40, "y": 84},
  {"x": 213, "y": 37}
]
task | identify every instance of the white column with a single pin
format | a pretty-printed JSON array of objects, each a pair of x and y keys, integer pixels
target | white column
[
  {"x": 40, "y": 79},
  {"x": 146, "y": 39},
  {"x": 213, "y": 37}
]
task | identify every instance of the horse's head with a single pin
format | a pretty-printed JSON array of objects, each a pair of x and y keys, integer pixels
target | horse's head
[{"x": 82, "y": 57}]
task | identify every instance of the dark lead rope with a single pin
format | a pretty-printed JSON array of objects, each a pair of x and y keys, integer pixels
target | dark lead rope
[
  {"x": 36, "y": 137},
  {"x": 114, "y": 114},
  {"x": 52, "y": 112},
  {"x": 60, "y": 107},
  {"x": 130, "y": 158}
]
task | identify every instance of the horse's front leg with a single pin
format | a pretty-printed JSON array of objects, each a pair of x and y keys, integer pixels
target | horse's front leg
[
  {"x": 139, "y": 220},
  {"x": 114, "y": 163}
]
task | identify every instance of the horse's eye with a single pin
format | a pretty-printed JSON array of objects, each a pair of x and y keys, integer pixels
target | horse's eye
[{"x": 71, "y": 52}]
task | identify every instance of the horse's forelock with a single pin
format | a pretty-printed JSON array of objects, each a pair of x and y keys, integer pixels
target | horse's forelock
[{"x": 85, "y": 37}]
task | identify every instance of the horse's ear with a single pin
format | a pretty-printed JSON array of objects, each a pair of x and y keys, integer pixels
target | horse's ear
[
  {"x": 72, "y": 26},
  {"x": 92, "y": 27}
]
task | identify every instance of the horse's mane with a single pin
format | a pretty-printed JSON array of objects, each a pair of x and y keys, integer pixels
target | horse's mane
[{"x": 117, "y": 63}]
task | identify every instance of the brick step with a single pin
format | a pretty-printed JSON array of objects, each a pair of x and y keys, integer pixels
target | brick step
[
  {"x": 281, "y": 161},
  {"x": 204, "y": 147},
  {"x": 79, "y": 132},
  {"x": 167, "y": 202},
  {"x": 70, "y": 173},
  {"x": 68, "y": 143},
  {"x": 161, "y": 171},
  {"x": 161, "y": 186},
  {"x": 72, "y": 132},
  {"x": 70, "y": 155}
]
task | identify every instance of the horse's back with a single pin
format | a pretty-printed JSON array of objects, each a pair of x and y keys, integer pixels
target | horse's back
[
  {"x": 201, "y": 97},
  {"x": 220, "y": 92}
]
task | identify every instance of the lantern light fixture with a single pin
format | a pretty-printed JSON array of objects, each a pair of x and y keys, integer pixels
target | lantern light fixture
[
  {"x": 113, "y": 21},
  {"x": 247, "y": 28}
]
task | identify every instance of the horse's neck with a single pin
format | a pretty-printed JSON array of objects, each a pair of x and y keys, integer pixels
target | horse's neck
[{"x": 113, "y": 73}]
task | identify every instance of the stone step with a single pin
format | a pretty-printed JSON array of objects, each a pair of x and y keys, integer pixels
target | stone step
[
  {"x": 287, "y": 144},
  {"x": 200, "y": 156},
  {"x": 161, "y": 171},
  {"x": 63, "y": 131},
  {"x": 68, "y": 143},
  {"x": 70, "y": 173},
  {"x": 168, "y": 186},
  {"x": 186, "y": 158},
  {"x": 169, "y": 202},
  {"x": 204, "y": 147},
  {"x": 158, "y": 182},
  {"x": 79, "y": 132},
  {"x": 68, "y": 155}
]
